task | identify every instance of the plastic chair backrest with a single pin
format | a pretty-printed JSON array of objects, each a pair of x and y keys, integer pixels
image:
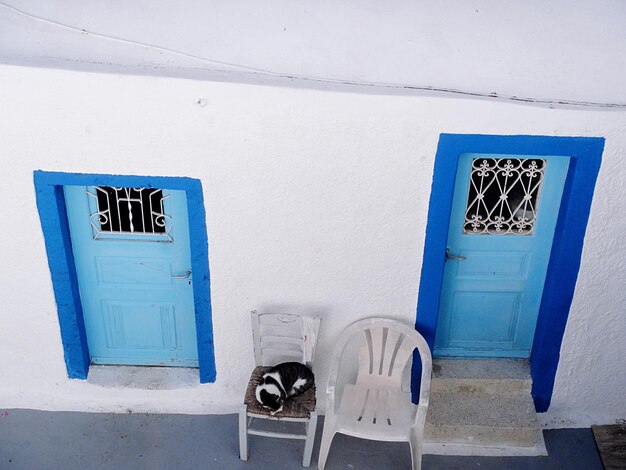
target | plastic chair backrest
[
  {"x": 383, "y": 356},
  {"x": 283, "y": 337},
  {"x": 385, "y": 348}
]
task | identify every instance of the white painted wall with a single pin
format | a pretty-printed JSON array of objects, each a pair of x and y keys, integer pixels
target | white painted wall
[
  {"x": 315, "y": 200},
  {"x": 561, "y": 49}
]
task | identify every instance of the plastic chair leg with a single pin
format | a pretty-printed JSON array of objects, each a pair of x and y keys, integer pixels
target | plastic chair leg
[
  {"x": 327, "y": 438},
  {"x": 416, "y": 454}
]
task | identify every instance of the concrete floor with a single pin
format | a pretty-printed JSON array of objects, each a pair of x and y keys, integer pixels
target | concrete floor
[{"x": 36, "y": 440}]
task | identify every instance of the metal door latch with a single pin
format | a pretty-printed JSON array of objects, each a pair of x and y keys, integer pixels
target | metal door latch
[
  {"x": 182, "y": 276},
  {"x": 455, "y": 257}
]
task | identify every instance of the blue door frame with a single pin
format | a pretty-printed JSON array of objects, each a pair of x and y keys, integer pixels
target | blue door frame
[
  {"x": 585, "y": 154},
  {"x": 53, "y": 216}
]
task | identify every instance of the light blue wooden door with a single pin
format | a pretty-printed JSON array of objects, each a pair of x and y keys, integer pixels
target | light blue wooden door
[
  {"x": 132, "y": 256},
  {"x": 500, "y": 235}
]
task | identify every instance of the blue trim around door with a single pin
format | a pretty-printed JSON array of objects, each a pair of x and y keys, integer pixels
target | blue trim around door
[
  {"x": 53, "y": 216},
  {"x": 586, "y": 155}
]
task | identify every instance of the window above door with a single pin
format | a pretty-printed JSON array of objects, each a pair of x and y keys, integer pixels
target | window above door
[
  {"x": 129, "y": 213},
  {"x": 503, "y": 195}
]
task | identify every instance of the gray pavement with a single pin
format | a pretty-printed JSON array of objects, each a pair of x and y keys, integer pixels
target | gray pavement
[{"x": 36, "y": 440}]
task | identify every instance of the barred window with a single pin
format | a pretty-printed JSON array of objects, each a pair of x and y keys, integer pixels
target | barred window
[
  {"x": 129, "y": 212},
  {"x": 503, "y": 196}
]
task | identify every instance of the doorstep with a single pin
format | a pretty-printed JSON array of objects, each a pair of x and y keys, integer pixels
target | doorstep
[{"x": 482, "y": 407}]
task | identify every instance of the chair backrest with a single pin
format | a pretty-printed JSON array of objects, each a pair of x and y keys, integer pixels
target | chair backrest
[
  {"x": 385, "y": 347},
  {"x": 283, "y": 337}
]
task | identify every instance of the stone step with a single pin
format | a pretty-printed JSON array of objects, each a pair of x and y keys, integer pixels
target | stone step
[
  {"x": 482, "y": 419},
  {"x": 496, "y": 376},
  {"x": 482, "y": 407}
]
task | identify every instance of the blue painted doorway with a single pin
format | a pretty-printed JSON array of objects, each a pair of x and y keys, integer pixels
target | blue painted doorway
[
  {"x": 54, "y": 223},
  {"x": 585, "y": 157},
  {"x": 132, "y": 255},
  {"x": 501, "y": 227}
]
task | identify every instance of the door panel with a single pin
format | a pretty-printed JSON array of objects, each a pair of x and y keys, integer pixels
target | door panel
[
  {"x": 134, "y": 275},
  {"x": 502, "y": 222},
  {"x": 487, "y": 264},
  {"x": 139, "y": 325},
  {"x": 124, "y": 271},
  {"x": 473, "y": 320}
]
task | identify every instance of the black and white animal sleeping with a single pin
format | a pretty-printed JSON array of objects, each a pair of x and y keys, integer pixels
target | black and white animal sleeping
[{"x": 282, "y": 382}]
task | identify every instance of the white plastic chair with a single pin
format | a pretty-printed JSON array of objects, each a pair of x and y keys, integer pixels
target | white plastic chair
[
  {"x": 376, "y": 406},
  {"x": 281, "y": 337}
]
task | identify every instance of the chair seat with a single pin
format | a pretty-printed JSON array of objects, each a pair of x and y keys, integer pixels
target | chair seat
[
  {"x": 375, "y": 413},
  {"x": 297, "y": 407}
]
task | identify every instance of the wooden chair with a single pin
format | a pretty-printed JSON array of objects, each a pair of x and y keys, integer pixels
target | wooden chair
[
  {"x": 280, "y": 337},
  {"x": 376, "y": 406}
]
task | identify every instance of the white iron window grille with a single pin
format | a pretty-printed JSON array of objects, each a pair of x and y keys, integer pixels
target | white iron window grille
[
  {"x": 503, "y": 196},
  {"x": 129, "y": 213}
]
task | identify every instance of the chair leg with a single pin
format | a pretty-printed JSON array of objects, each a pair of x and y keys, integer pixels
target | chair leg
[
  {"x": 311, "y": 426},
  {"x": 327, "y": 438},
  {"x": 416, "y": 454},
  {"x": 243, "y": 432}
]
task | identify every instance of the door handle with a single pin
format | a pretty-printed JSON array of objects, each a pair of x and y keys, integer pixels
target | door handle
[
  {"x": 454, "y": 257},
  {"x": 182, "y": 276}
]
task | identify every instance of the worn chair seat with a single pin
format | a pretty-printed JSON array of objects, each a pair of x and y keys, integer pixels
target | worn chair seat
[{"x": 297, "y": 407}]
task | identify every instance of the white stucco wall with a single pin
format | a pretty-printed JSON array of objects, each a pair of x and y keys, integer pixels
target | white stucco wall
[
  {"x": 557, "y": 50},
  {"x": 316, "y": 200}
]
